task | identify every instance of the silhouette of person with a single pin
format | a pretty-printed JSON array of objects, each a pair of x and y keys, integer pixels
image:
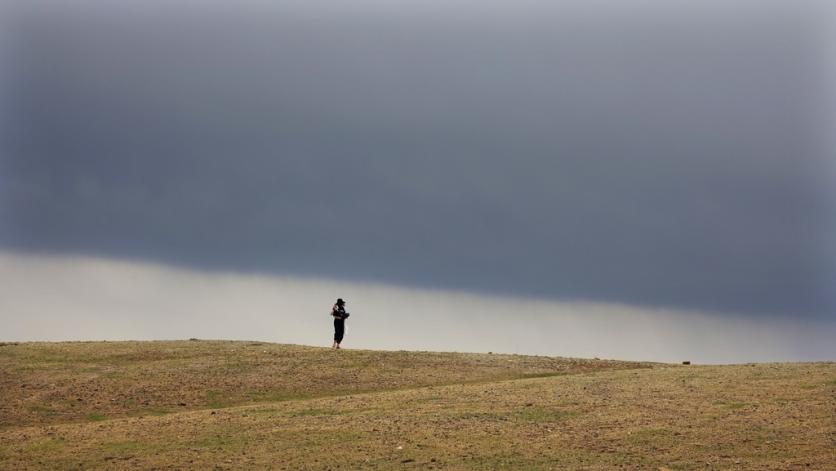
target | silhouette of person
[{"x": 339, "y": 314}]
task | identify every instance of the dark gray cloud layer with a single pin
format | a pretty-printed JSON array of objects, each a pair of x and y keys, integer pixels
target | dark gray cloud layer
[{"x": 657, "y": 153}]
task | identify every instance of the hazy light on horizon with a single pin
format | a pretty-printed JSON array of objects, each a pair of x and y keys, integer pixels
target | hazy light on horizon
[{"x": 85, "y": 298}]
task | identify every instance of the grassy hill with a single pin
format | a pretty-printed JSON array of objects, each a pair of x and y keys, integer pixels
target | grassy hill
[{"x": 228, "y": 405}]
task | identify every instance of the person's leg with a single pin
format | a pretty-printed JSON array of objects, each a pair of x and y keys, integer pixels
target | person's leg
[{"x": 339, "y": 331}]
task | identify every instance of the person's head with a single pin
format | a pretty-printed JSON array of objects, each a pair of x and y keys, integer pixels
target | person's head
[{"x": 340, "y": 302}]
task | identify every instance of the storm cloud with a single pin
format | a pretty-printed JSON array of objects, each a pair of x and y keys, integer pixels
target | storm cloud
[{"x": 652, "y": 153}]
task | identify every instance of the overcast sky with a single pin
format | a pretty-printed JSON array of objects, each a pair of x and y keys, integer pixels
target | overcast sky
[{"x": 653, "y": 153}]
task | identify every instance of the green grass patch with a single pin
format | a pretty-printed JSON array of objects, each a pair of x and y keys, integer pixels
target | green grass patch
[
  {"x": 45, "y": 447},
  {"x": 424, "y": 400},
  {"x": 275, "y": 396},
  {"x": 524, "y": 414},
  {"x": 227, "y": 442},
  {"x": 96, "y": 417},
  {"x": 124, "y": 447},
  {"x": 486, "y": 416},
  {"x": 156, "y": 411},
  {"x": 498, "y": 456},
  {"x": 115, "y": 374},
  {"x": 542, "y": 414},
  {"x": 315, "y": 412},
  {"x": 730, "y": 405},
  {"x": 43, "y": 410},
  {"x": 329, "y": 439},
  {"x": 121, "y": 447},
  {"x": 543, "y": 375},
  {"x": 263, "y": 410},
  {"x": 216, "y": 399},
  {"x": 651, "y": 436},
  {"x": 527, "y": 414}
]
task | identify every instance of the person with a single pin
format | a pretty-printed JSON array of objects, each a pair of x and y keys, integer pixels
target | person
[{"x": 339, "y": 314}]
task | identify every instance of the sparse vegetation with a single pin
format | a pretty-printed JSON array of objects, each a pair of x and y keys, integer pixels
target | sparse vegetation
[
  {"x": 95, "y": 417},
  {"x": 49, "y": 383},
  {"x": 232, "y": 405}
]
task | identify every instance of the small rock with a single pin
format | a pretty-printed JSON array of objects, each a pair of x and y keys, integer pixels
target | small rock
[
  {"x": 181, "y": 404},
  {"x": 529, "y": 404},
  {"x": 399, "y": 447},
  {"x": 408, "y": 460}
]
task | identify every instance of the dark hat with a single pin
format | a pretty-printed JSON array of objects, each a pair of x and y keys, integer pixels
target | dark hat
[{"x": 340, "y": 301}]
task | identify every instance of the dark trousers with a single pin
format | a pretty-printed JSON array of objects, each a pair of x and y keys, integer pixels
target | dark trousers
[{"x": 339, "y": 329}]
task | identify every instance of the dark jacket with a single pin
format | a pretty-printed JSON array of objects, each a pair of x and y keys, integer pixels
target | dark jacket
[{"x": 339, "y": 312}]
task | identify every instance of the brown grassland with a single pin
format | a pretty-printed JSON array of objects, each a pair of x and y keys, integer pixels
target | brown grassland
[{"x": 233, "y": 405}]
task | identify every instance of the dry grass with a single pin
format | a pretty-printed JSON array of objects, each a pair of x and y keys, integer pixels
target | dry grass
[
  {"x": 319, "y": 409},
  {"x": 50, "y": 383}
]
